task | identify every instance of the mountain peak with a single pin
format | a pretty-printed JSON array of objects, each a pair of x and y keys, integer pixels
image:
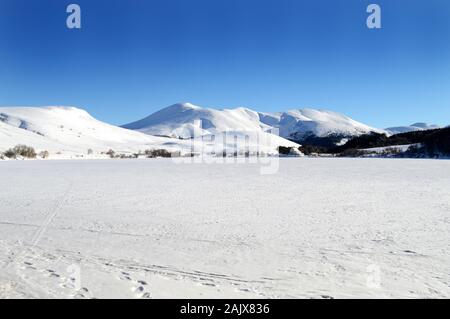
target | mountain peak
[
  {"x": 182, "y": 106},
  {"x": 72, "y": 110}
]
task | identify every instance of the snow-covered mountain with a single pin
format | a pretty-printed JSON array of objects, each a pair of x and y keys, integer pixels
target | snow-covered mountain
[
  {"x": 178, "y": 121},
  {"x": 411, "y": 128},
  {"x": 69, "y": 132},
  {"x": 303, "y": 123}
]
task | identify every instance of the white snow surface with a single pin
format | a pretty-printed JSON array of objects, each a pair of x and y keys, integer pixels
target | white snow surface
[
  {"x": 68, "y": 132},
  {"x": 178, "y": 121},
  {"x": 412, "y": 128},
  {"x": 319, "y": 228}
]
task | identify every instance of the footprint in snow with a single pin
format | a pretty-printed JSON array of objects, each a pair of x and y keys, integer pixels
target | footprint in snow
[
  {"x": 28, "y": 266},
  {"x": 142, "y": 293},
  {"x": 83, "y": 293},
  {"x": 139, "y": 289},
  {"x": 51, "y": 273},
  {"x": 125, "y": 276}
]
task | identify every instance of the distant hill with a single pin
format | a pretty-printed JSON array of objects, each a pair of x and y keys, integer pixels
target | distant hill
[
  {"x": 432, "y": 143},
  {"x": 411, "y": 128}
]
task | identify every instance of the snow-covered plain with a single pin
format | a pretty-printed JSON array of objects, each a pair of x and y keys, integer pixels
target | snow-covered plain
[{"x": 318, "y": 228}]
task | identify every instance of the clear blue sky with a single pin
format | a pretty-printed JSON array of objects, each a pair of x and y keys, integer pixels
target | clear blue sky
[{"x": 133, "y": 57}]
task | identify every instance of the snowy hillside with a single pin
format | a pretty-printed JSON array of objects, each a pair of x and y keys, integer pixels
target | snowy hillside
[
  {"x": 411, "y": 128},
  {"x": 68, "y": 131},
  {"x": 178, "y": 121},
  {"x": 302, "y": 123}
]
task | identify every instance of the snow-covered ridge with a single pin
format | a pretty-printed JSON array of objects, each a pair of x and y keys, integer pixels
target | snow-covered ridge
[
  {"x": 321, "y": 123},
  {"x": 178, "y": 121},
  {"x": 412, "y": 128}
]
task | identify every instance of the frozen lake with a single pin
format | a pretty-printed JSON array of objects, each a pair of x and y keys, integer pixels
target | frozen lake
[{"x": 318, "y": 228}]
